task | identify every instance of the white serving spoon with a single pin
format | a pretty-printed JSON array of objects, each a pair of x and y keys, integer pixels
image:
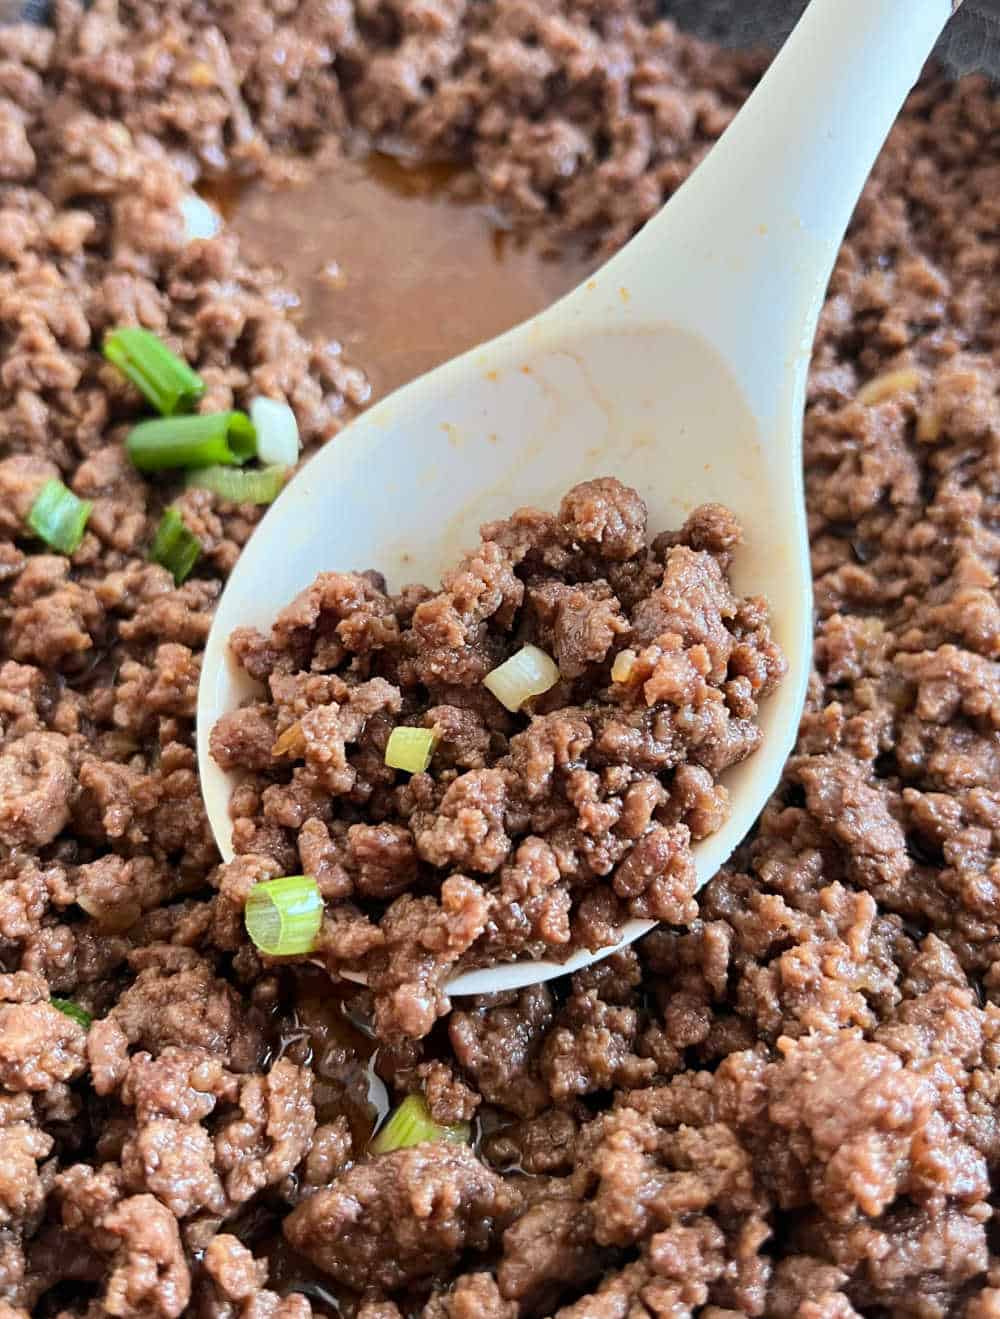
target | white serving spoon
[{"x": 680, "y": 368}]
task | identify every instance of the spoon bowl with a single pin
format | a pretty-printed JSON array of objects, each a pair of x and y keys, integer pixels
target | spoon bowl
[
  {"x": 529, "y": 415},
  {"x": 679, "y": 368}
]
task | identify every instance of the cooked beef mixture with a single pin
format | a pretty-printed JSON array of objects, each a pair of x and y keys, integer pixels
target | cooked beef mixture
[
  {"x": 529, "y": 834},
  {"x": 789, "y": 1104}
]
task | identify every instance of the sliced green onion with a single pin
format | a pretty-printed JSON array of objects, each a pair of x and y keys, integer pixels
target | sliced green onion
[
  {"x": 412, "y": 1124},
  {"x": 277, "y": 432},
  {"x": 260, "y": 485},
  {"x": 528, "y": 673},
  {"x": 198, "y": 441},
  {"x": 73, "y": 1010},
  {"x": 59, "y": 517},
  {"x": 159, "y": 374},
  {"x": 410, "y": 749},
  {"x": 283, "y": 916},
  {"x": 174, "y": 546}
]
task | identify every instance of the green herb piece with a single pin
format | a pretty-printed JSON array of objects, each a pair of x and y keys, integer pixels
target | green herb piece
[
  {"x": 59, "y": 517},
  {"x": 412, "y": 1124},
  {"x": 73, "y": 1010},
  {"x": 410, "y": 749},
  {"x": 528, "y": 673},
  {"x": 260, "y": 485},
  {"x": 197, "y": 441},
  {"x": 159, "y": 374},
  {"x": 174, "y": 546},
  {"x": 277, "y": 432},
  {"x": 283, "y": 916}
]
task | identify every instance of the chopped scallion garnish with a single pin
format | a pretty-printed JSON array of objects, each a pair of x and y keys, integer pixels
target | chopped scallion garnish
[
  {"x": 159, "y": 374},
  {"x": 260, "y": 485},
  {"x": 59, "y": 517},
  {"x": 528, "y": 673},
  {"x": 410, "y": 749},
  {"x": 73, "y": 1010},
  {"x": 174, "y": 546},
  {"x": 277, "y": 432},
  {"x": 283, "y": 916},
  {"x": 197, "y": 441},
  {"x": 412, "y": 1124}
]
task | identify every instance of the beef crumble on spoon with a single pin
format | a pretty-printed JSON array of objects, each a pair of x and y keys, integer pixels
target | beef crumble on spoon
[
  {"x": 787, "y": 1106},
  {"x": 513, "y": 835}
]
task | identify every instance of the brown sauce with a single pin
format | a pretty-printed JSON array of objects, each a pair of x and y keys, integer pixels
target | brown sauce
[
  {"x": 318, "y": 1032},
  {"x": 393, "y": 263}
]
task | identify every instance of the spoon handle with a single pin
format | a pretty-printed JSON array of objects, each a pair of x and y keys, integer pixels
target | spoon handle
[{"x": 743, "y": 253}]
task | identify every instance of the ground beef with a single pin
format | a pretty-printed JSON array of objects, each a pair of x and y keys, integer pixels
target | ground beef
[
  {"x": 557, "y": 808},
  {"x": 402, "y": 1217},
  {"x": 174, "y": 1000},
  {"x": 40, "y": 1047},
  {"x": 784, "y": 1105},
  {"x": 36, "y": 783},
  {"x": 236, "y": 1285},
  {"x": 148, "y": 1271},
  {"x": 498, "y": 1044}
]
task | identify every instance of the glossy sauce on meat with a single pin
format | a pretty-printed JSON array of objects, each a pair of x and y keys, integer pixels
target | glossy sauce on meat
[{"x": 528, "y": 833}]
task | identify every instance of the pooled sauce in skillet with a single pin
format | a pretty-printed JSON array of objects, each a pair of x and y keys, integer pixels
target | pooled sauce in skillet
[{"x": 416, "y": 273}]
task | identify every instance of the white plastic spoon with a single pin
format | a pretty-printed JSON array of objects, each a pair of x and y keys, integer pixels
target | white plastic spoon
[{"x": 680, "y": 368}]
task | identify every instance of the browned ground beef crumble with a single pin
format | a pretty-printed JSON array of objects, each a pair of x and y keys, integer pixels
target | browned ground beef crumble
[
  {"x": 789, "y": 1106},
  {"x": 568, "y": 818}
]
